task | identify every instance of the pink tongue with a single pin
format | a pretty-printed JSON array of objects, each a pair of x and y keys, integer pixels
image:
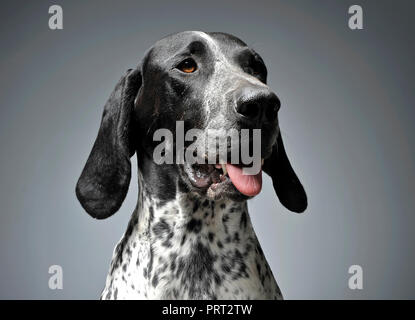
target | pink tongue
[{"x": 249, "y": 185}]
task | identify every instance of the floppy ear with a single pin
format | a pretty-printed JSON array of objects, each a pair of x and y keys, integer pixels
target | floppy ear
[
  {"x": 104, "y": 181},
  {"x": 288, "y": 187}
]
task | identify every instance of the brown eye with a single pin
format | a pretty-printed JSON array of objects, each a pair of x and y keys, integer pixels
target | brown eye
[{"x": 187, "y": 66}]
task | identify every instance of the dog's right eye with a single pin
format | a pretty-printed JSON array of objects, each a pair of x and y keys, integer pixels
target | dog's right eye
[{"x": 187, "y": 66}]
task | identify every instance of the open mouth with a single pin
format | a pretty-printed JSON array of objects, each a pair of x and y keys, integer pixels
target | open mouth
[{"x": 218, "y": 178}]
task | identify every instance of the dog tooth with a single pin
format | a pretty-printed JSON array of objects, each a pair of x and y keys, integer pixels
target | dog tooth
[
  {"x": 224, "y": 169},
  {"x": 262, "y": 161}
]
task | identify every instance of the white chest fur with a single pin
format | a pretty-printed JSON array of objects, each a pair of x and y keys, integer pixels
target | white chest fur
[{"x": 190, "y": 249}]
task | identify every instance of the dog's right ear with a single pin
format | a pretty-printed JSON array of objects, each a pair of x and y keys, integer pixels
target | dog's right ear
[{"x": 105, "y": 179}]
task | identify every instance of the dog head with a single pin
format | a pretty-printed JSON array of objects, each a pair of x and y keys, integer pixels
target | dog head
[{"x": 198, "y": 83}]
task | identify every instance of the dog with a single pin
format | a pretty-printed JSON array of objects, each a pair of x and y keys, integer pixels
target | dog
[{"x": 190, "y": 236}]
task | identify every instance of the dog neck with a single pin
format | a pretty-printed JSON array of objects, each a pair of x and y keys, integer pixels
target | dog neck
[
  {"x": 192, "y": 216},
  {"x": 188, "y": 247}
]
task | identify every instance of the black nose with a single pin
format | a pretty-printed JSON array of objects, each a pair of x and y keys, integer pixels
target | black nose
[{"x": 257, "y": 105}]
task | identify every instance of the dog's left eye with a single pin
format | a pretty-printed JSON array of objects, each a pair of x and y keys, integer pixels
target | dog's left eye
[
  {"x": 187, "y": 66},
  {"x": 256, "y": 70}
]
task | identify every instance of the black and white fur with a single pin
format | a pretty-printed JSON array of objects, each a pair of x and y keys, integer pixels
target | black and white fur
[{"x": 185, "y": 239}]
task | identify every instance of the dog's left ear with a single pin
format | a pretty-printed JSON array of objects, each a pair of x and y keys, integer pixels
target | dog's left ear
[
  {"x": 105, "y": 179},
  {"x": 288, "y": 187}
]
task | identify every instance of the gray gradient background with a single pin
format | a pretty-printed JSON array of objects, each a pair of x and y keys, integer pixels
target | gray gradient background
[{"x": 347, "y": 115}]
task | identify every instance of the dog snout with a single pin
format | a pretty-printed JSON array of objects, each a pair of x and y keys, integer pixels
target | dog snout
[{"x": 256, "y": 105}]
